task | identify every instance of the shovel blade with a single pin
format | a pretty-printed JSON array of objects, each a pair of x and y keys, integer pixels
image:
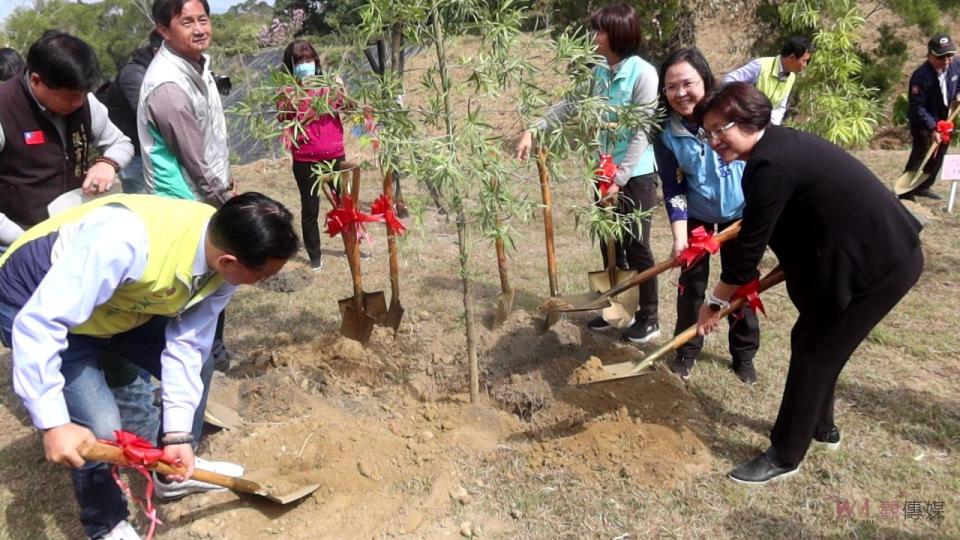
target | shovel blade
[
  {"x": 504, "y": 304},
  {"x": 575, "y": 302},
  {"x": 394, "y": 314},
  {"x": 599, "y": 280},
  {"x": 612, "y": 372},
  {"x": 375, "y": 305},
  {"x": 909, "y": 181},
  {"x": 283, "y": 495},
  {"x": 222, "y": 416},
  {"x": 355, "y": 324}
]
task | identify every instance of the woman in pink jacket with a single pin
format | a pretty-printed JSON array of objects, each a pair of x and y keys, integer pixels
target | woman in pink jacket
[{"x": 319, "y": 141}]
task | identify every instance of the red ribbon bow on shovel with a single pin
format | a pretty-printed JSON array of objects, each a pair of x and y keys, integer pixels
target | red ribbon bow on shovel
[
  {"x": 347, "y": 218},
  {"x": 139, "y": 454},
  {"x": 701, "y": 242},
  {"x": 384, "y": 208},
  {"x": 944, "y": 128},
  {"x": 751, "y": 292},
  {"x": 605, "y": 173}
]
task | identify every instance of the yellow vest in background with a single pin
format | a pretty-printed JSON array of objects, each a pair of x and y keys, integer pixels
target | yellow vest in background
[
  {"x": 769, "y": 80},
  {"x": 174, "y": 228}
]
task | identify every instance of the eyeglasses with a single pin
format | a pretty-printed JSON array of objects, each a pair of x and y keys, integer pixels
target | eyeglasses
[
  {"x": 687, "y": 86},
  {"x": 708, "y": 135}
]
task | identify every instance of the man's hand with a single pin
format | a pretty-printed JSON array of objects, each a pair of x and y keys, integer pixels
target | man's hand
[
  {"x": 182, "y": 454},
  {"x": 99, "y": 178},
  {"x": 707, "y": 320},
  {"x": 61, "y": 444},
  {"x": 524, "y": 144},
  {"x": 936, "y": 136}
]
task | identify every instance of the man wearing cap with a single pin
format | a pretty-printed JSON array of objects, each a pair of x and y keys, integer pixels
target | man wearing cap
[{"x": 933, "y": 88}]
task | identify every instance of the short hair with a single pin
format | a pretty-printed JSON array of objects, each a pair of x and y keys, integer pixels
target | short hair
[
  {"x": 155, "y": 39},
  {"x": 164, "y": 11},
  {"x": 796, "y": 46},
  {"x": 298, "y": 51},
  {"x": 695, "y": 58},
  {"x": 254, "y": 228},
  {"x": 64, "y": 62},
  {"x": 738, "y": 102},
  {"x": 11, "y": 64},
  {"x": 622, "y": 26}
]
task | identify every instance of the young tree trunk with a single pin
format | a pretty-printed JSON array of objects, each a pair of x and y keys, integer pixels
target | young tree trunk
[{"x": 472, "y": 361}]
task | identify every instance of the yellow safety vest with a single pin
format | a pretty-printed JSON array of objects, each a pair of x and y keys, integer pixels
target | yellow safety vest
[
  {"x": 174, "y": 228},
  {"x": 769, "y": 81}
]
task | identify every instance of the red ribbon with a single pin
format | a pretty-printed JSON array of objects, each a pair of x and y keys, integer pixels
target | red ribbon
[
  {"x": 384, "y": 207},
  {"x": 371, "y": 127},
  {"x": 346, "y": 217},
  {"x": 701, "y": 242},
  {"x": 751, "y": 292},
  {"x": 945, "y": 128},
  {"x": 605, "y": 173},
  {"x": 139, "y": 454}
]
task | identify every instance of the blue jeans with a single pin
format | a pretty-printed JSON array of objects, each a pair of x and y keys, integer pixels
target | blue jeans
[
  {"x": 92, "y": 404},
  {"x": 131, "y": 176}
]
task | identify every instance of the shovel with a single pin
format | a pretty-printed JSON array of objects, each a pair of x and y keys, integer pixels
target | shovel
[
  {"x": 552, "y": 315},
  {"x": 625, "y": 370},
  {"x": 601, "y": 300},
  {"x": 395, "y": 312},
  {"x": 98, "y": 451},
  {"x": 505, "y": 298},
  {"x": 361, "y": 311},
  {"x": 909, "y": 180},
  {"x": 622, "y": 306}
]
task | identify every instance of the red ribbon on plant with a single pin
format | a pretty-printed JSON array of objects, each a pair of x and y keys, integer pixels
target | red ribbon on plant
[
  {"x": 384, "y": 207},
  {"x": 371, "y": 127},
  {"x": 944, "y": 128},
  {"x": 139, "y": 454},
  {"x": 701, "y": 242},
  {"x": 605, "y": 173},
  {"x": 751, "y": 292},
  {"x": 347, "y": 218}
]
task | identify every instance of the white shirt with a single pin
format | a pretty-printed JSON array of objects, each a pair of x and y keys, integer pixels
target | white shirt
[{"x": 90, "y": 260}]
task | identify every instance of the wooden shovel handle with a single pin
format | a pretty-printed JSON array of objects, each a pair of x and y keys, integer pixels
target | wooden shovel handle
[
  {"x": 391, "y": 238},
  {"x": 351, "y": 245},
  {"x": 502, "y": 262},
  {"x": 548, "y": 220},
  {"x": 772, "y": 278},
  {"x": 98, "y": 451}
]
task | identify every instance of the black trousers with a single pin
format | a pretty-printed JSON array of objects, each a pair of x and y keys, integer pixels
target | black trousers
[
  {"x": 821, "y": 342},
  {"x": 744, "y": 333},
  {"x": 921, "y": 144},
  {"x": 309, "y": 206},
  {"x": 634, "y": 252}
]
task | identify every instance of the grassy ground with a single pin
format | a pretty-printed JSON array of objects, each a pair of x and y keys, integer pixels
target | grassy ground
[{"x": 896, "y": 475}]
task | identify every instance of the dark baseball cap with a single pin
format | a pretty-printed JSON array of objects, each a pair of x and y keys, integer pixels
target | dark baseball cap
[{"x": 941, "y": 44}]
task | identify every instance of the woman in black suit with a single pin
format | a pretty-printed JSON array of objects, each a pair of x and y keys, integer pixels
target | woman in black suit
[{"x": 850, "y": 251}]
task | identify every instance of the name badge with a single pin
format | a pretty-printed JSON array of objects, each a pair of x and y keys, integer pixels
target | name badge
[{"x": 34, "y": 137}]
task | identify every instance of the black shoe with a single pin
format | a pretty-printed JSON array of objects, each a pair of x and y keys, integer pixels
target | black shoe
[
  {"x": 642, "y": 332},
  {"x": 598, "y": 324},
  {"x": 682, "y": 366},
  {"x": 829, "y": 440},
  {"x": 762, "y": 470},
  {"x": 907, "y": 197},
  {"x": 928, "y": 193},
  {"x": 745, "y": 371}
]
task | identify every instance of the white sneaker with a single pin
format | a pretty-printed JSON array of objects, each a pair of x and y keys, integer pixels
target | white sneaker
[
  {"x": 122, "y": 531},
  {"x": 174, "y": 490}
]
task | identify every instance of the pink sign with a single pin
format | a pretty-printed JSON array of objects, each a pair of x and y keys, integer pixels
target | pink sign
[{"x": 951, "y": 167}]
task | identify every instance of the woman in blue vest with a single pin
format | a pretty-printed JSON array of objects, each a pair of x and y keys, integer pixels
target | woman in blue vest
[
  {"x": 624, "y": 79},
  {"x": 699, "y": 190}
]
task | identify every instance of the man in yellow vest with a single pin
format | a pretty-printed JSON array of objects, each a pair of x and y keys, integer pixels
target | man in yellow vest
[
  {"x": 775, "y": 75},
  {"x": 145, "y": 278}
]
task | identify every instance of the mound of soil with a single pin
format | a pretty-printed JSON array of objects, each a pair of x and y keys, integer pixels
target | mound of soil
[{"x": 288, "y": 281}]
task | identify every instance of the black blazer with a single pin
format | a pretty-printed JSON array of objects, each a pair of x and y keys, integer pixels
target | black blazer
[
  {"x": 925, "y": 104},
  {"x": 836, "y": 229}
]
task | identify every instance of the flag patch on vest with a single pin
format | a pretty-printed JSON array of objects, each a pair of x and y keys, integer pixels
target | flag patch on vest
[{"x": 34, "y": 137}]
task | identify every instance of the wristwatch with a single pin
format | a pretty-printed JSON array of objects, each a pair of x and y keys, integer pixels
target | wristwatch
[{"x": 715, "y": 303}]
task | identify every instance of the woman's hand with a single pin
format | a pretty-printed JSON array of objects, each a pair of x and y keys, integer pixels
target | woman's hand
[
  {"x": 707, "y": 320},
  {"x": 613, "y": 193},
  {"x": 524, "y": 144},
  {"x": 679, "y": 246},
  {"x": 182, "y": 454}
]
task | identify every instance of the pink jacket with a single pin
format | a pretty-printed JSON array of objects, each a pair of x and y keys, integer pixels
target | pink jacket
[{"x": 323, "y": 139}]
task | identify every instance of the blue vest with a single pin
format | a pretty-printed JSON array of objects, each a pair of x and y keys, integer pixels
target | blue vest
[
  {"x": 714, "y": 194},
  {"x": 618, "y": 89}
]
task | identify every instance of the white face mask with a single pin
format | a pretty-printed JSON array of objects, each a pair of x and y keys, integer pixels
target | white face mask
[{"x": 305, "y": 69}]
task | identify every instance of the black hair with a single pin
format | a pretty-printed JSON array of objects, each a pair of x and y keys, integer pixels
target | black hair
[
  {"x": 695, "y": 58},
  {"x": 737, "y": 102},
  {"x": 796, "y": 46},
  {"x": 254, "y": 228},
  {"x": 11, "y": 64},
  {"x": 164, "y": 11},
  {"x": 64, "y": 62},
  {"x": 300, "y": 50},
  {"x": 155, "y": 40},
  {"x": 622, "y": 26}
]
